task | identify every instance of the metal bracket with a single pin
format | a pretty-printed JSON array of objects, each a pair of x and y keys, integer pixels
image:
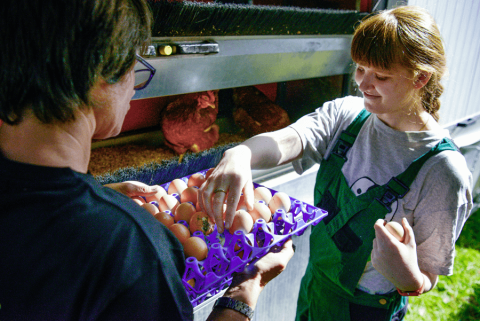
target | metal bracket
[{"x": 181, "y": 48}]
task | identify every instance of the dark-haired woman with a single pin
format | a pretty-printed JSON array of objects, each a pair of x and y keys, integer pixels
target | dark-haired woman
[{"x": 71, "y": 249}]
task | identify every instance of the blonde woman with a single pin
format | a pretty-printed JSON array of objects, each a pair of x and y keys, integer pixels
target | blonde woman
[{"x": 383, "y": 157}]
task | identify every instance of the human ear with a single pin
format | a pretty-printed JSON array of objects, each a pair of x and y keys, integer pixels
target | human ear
[{"x": 422, "y": 79}]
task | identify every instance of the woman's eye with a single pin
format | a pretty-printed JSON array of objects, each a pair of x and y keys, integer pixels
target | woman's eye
[{"x": 381, "y": 78}]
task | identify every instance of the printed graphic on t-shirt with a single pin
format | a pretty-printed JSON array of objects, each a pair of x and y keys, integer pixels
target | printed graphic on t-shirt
[{"x": 364, "y": 184}]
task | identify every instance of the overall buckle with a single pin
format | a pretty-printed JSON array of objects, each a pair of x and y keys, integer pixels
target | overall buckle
[
  {"x": 343, "y": 145},
  {"x": 396, "y": 189}
]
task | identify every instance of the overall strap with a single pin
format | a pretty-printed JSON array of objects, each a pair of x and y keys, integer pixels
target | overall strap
[
  {"x": 398, "y": 186},
  {"x": 331, "y": 166},
  {"x": 348, "y": 136}
]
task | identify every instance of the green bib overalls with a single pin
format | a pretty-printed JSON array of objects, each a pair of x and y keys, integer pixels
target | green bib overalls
[{"x": 341, "y": 244}]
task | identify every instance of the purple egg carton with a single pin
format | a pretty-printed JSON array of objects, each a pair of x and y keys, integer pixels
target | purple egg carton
[{"x": 229, "y": 253}]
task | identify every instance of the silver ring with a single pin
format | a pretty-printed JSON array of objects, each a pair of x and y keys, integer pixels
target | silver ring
[{"x": 219, "y": 190}]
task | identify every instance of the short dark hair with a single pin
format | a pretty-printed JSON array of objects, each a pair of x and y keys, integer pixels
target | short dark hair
[{"x": 53, "y": 52}]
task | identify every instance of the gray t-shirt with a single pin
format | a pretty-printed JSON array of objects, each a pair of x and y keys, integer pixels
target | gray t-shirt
[{"x": 439, "y": 200}]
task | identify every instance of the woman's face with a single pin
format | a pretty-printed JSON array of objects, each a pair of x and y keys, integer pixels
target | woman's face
[
  {"x": 111, "y": 104},
  {"x": 387, "y": 93}
]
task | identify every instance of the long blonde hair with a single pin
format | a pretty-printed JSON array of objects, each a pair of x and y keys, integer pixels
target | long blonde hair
[{"x": 408, "y": 36}]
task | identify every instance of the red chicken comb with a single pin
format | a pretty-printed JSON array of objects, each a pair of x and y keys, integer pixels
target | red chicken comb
[{"x": 206, "y": 100}]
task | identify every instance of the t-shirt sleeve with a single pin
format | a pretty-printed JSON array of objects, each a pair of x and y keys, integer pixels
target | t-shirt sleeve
[
  {"x": 443, "y": 205},
  {"x": 318, "y": 129}
]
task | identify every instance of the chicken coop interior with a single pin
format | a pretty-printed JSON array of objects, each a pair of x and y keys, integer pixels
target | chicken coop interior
[
  {"x": 254, "y": 84},
  {"x": 263, "y": 108}
]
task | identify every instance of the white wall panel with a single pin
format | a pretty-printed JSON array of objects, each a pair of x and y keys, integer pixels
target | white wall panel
[{"x": 459, "y": 22}]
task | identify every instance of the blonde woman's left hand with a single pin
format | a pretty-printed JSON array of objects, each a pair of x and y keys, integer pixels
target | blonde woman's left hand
[{"x": 396, "y": 260}]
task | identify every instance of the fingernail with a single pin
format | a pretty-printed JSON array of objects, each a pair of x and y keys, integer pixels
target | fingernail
[{"x": 227, "y": 225}]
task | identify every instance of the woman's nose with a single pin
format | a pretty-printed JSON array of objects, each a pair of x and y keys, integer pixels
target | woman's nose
[{"x": 364, "y": 82}]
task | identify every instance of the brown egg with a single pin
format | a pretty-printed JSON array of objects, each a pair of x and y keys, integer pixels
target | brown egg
[
  {"x": 164, "y": 218},
  {"x": 139, "y": 200},
  {"x": 195, "y": 247},
  {"x": 396, "y": 229},
  {"x": 200, "y": 221},
  {"x": 207, "y": 174},
  {"x": 180, "y": 231},
  {"x": 168, "y": 203},
  {"x": 196, "y": 180},
  {"x": 152, "y": 209},
  {"x": 191, "y": 282},
  {"x": 280, "y": 200},
  {"x": 262, "y": 193},
  {"x": 157, "y": 196},
  {"x": 190, "y": 194},
  {"x": 176, "y": 186},
  {"x": 242, "y": 221},
  {"x": 184, "y": 212},
  {"x": 260, "y": 210}
]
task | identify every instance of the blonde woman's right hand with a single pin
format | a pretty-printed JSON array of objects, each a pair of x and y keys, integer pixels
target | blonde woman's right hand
[{"x": 230, "y": 178}]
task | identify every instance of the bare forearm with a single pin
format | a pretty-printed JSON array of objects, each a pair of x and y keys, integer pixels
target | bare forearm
[
  {"x": 246, "y": 292},
  {"x": 226, "y": 314},
  {"x": 416, "y": 282},
  {"x": 274, "y": 148},
  {"x": 430, "y": 281},
  {"x": 247, "y": 285}
]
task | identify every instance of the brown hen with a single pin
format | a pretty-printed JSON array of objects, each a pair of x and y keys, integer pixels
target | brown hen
[
  {"x": 255, "y": 113},
  {"x": 188, "y": 122}
]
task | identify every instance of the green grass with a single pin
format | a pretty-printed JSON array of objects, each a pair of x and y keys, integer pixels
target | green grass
[{"x": 456, "y": 297}]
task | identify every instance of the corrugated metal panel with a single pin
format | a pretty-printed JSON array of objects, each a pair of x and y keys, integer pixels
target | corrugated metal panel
[{"x": 459, "y": 22}]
